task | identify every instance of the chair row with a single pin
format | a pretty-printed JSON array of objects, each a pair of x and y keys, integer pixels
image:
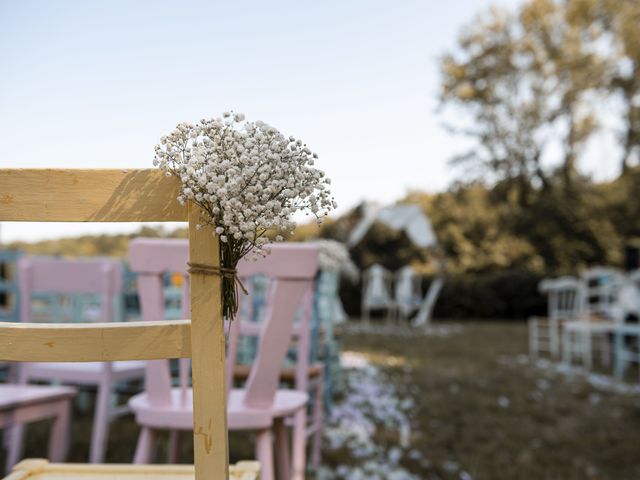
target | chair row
[
  {"x": 259, "y": 406},
  {"x": 407, "y": 298},
  {"x": 598, "y": 311}
]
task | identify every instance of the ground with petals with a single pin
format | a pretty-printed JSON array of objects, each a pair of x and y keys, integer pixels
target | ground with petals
[
  {"x": 469, "y": 404},
  {"x": 457, "y": 401}
]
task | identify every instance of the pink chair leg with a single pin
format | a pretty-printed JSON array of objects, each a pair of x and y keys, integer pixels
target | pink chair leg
[
  {"x": 283, "y": 462},
  {"x": 16, "y": 433},
  {"x": 299, "y": 444},
  {"x": 318, "y": 414},
  {"x": 16, "y": 445},
  {"x": 174, "y": 446},
  {"x": 100, "y": 423},
  {"x": 144, "y": 448},
  {"x": 59, "y": 436},
  {"x": 264, "y": 454}
]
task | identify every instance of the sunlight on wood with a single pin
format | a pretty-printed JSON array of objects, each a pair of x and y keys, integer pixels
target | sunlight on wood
[
  {"x": 68, "y": 195},
  {"x": 95, "y": 342}
]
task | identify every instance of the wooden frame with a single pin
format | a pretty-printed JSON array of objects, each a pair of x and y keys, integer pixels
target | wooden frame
[
  {"x": 55, "y": 195},
  {"x": 35, "y": 469}
]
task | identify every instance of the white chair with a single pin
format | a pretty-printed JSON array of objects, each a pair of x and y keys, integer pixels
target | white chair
[
  {"x": 408, "y": 292},
  {"x": 593, "y": 331},
  {"x": 627, "y": 335},
  {"x": 376, "y": 292},
  {"x": 603, "y": 285},
  {"x": 565, "y": 302}
]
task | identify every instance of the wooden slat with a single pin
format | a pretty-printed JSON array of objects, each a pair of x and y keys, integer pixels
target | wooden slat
[
  {"x": 37, "y": 469},
  {"x": 68, "y": 195},
  {"x": 95, "y": 342},
  {"x": 207, "y": 340}
]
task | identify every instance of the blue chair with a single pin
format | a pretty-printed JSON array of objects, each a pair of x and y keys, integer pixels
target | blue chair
[{"x": 9, "y": 291}]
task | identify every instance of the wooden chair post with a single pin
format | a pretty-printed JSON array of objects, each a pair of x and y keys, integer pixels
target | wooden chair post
[{"x": 207, "y": 347}]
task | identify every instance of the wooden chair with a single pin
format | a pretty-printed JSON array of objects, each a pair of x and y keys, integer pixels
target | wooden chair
[
  {"x": 102, "y": 277},
  {"x": 126, "y": 196},
  {"x": 260, "y": 406}
]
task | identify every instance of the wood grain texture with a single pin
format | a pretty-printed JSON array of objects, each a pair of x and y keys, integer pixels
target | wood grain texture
[
  {"x": 96, "y": 342},
  {"x": 37, "y": 469},
  {"x": 75, "y": 195},
  {"x": 208, "y": 347}
]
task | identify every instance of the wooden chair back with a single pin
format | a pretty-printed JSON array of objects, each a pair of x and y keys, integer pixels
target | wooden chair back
[{"x": 51, "y": 195}]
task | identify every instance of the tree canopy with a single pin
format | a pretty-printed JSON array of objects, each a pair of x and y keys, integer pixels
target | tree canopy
[{"x": 537, "y": 83}]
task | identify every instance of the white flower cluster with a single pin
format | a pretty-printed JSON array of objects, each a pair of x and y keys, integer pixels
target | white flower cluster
[
  {"x": 333, "y": 255},
  {"x": 247, "y": 177},
  {"x": 369, "y": 404}
]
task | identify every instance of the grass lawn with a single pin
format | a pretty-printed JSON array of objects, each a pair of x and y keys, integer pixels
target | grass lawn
[{"x": 459, "y": 403}]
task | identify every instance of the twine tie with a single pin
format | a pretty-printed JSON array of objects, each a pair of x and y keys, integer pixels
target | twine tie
[{"x": 223, "y": 272}]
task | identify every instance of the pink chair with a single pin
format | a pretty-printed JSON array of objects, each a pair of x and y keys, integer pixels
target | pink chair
[
  {"x": 20, "y": 404},
  {"x": 95, "y": 276},
  {"x": 303, "y": 376},
  {"x": 260, "y": 406}
]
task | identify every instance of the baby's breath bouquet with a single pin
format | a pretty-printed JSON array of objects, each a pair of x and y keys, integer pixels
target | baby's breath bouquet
[{"x": 248, "y": 179}]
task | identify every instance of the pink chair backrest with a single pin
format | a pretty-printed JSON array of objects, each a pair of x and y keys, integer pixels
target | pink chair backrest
[
  {"x": 292, "y": 268},
  {"x": 65, "y": 276},
  {"x": 150, "y": 258}
]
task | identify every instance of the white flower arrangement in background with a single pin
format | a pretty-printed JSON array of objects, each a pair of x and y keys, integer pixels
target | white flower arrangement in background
[
  {"x": 248, "y": 179},
  {"x": 334, "y": 256}
]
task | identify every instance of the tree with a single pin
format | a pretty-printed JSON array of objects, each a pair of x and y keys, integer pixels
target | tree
[
  {"x": 530, "y": 82},
  {"x": 616, "y": 22}
]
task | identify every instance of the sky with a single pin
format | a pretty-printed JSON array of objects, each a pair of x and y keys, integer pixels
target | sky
[{"x": 88, "y": 84}]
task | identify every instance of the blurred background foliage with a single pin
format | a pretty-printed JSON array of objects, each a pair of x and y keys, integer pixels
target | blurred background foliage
[{"x": 536, "y": 86}]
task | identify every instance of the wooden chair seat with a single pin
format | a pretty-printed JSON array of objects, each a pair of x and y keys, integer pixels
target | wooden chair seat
[
  {"x": 241, "y": 372},
  {"x": 36, "y": 469}
]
